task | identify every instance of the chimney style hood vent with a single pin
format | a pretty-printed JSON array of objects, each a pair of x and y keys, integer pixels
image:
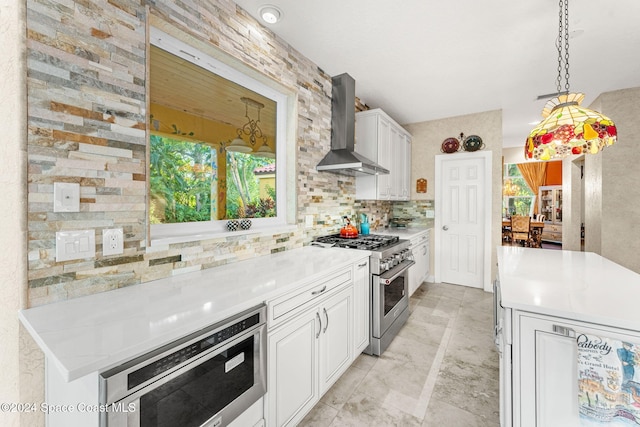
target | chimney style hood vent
[{"x": 342, "y": 158}]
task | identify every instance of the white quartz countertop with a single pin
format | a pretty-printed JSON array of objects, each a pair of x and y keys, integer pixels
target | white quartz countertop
[
  {"x": 573, "y": 285},
  {"x": 100, "y": 331}
]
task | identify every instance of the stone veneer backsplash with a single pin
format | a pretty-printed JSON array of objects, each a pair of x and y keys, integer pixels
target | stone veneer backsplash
[
  {"x": 86, "y": 82},
  {"x": 416, "y": 210},
  {"x": 381, "y": 212}
]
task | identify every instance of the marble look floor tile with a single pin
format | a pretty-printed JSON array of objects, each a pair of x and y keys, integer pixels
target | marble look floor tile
[
  {"x": 364, "y": 362},
  {"x": 470, "y": 387},
  {"x": 447, "y": 307},
  {"x": 467, "y": 345},
  {"x": 387, "y": 375},
  {"x": 320, "y": 416},
  {"x": 440, "y": 414},
  {"x": 429, "y": 301},
  {"x": 427, "y": 330},
  {"x": 343, "y": 388},
  {"x": 410, "y": 354},
  {"x": 365, "y": 411}
]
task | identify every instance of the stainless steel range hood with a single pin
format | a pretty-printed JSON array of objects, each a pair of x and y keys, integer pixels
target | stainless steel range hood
[{"x": 342, "y": 158}]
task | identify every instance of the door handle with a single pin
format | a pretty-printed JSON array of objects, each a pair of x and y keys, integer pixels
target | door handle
[
  {"x": 326, "y": 325},
  {"x": 319, "y": 323},
  {"x": 445, "y": 227}
]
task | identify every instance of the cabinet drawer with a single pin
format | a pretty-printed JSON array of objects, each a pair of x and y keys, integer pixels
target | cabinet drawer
[
  {"x": 287, "y": 306},
  {"x": 554, "y": 228}
]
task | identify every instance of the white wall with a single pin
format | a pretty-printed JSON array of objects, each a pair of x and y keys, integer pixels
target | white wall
[
  {"x": 427, "y": 141},
  {"x": 612, "y": 193}
]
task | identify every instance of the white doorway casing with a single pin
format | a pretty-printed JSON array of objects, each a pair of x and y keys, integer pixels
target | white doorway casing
[{"x": 476, "y": 229}]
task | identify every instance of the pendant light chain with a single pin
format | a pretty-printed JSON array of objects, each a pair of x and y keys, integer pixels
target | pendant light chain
[
  {"x": 566, "y": 44},
  {"x": 563, "y": 36}
]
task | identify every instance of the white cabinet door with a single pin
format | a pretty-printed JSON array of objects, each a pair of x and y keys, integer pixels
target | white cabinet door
[
  {"x": 384, "y": 159},
  {"x": 397, "y": 158},
  {"x": 336, "y": 341},
  {"x": 292, "y": 375},
  {"x": 545, "y": 378},
  {"x": 361, "y": 307},
  {"x": 419, "y": 271},
  {"x": 381, "y": 139},
  {"x": 406, "y": 176}
]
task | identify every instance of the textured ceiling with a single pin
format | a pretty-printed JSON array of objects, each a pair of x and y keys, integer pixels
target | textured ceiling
[{"x": 424, "y": 60}]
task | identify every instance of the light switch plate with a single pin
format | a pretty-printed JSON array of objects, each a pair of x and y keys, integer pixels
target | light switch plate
[
  {"x": 308, "y": 221},
  {"x": 431, "y": 213},
  {"x": 77, "y": 244},
  {"x": 112, "y": 241},
  {"x": 66, "y": 197}
]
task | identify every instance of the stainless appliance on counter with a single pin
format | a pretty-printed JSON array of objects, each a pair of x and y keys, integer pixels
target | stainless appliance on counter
[
  {"x": 205, "y": 379},
  {"x": 390, "y": 261}
]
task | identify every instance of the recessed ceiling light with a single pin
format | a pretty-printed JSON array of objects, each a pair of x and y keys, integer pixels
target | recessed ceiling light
[{"x": 270, "y": 14}]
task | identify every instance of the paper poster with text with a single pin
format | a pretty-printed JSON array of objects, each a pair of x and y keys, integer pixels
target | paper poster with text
[{"x": 608, "y": 381}]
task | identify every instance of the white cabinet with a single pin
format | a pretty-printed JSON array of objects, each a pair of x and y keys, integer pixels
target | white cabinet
[
  {"x": 361, "y": 307},
  {"x": 551, "y": 207},
  {"x": 306, "y": 355},
  {"x": 381, "y": 139},
  {"x": 544, "y": 360},
  {"x": 420, "y": 270},
  {"x": 335, "y": 339},
  {"x": 314, "y": 335},
  {"x": 406, "y": 176}
]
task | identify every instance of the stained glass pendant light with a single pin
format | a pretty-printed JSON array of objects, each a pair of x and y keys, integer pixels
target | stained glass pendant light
[{"x": 567, "y": 128}]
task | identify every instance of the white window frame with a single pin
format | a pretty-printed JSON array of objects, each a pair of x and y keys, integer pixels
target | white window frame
[{"x": 191, "y": 231}]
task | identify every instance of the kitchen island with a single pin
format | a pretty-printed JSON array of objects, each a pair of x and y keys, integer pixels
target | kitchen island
[{"x": 546, "y": 301}]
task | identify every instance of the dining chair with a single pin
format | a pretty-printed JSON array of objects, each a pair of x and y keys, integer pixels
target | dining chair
[{"x": 520, "y": 231}]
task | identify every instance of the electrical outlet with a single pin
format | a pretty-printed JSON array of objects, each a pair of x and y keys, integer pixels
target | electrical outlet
[{"x": 112, "y": 241}]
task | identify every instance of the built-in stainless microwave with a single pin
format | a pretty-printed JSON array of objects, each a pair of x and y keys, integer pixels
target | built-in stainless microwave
[{"x": 205, "y": 379}]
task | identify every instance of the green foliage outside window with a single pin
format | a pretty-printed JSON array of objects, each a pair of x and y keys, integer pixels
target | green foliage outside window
[
  {"x": 183, "y": 181},
  {"x": 181, "y": 178},
  {"x": 243, "y": 188},
  {"x": 518, "y": 200}
]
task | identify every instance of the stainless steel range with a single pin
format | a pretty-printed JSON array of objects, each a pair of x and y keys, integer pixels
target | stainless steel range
[{"x": 390, "y": 261}]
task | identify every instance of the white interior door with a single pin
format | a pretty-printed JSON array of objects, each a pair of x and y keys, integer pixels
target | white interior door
[{"x": 463, "y": 214}]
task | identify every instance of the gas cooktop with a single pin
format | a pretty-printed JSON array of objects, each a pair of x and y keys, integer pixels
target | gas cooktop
[{"x": 369, "y": 242}]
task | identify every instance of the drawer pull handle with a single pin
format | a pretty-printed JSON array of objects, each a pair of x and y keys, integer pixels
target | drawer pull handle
[
  {"x": 320, "y": 325},
  {"x": 324, "y": 288},
  {"x": 563, "y": 330},
  {"x": 362, "y": 265}
]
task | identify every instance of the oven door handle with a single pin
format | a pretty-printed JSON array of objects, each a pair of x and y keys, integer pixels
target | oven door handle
[{"x": 389, "y": 276}]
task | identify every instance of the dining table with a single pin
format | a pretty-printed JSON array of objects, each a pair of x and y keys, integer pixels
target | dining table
[{"x": 535, "y": 232}]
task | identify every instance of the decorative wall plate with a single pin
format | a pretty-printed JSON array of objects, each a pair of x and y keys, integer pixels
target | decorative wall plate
[
  {"x": 472, "y": 143},
  {"x": 450, "y": 145}
]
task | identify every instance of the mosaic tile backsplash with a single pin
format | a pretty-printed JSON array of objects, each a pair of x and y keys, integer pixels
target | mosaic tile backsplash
[{"x": 86, "y": 67}]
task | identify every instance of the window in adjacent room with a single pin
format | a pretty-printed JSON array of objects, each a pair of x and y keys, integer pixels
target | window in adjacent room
[
  {"x": 200, "y": 109},
  {"x": 517, "y": 198}
]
